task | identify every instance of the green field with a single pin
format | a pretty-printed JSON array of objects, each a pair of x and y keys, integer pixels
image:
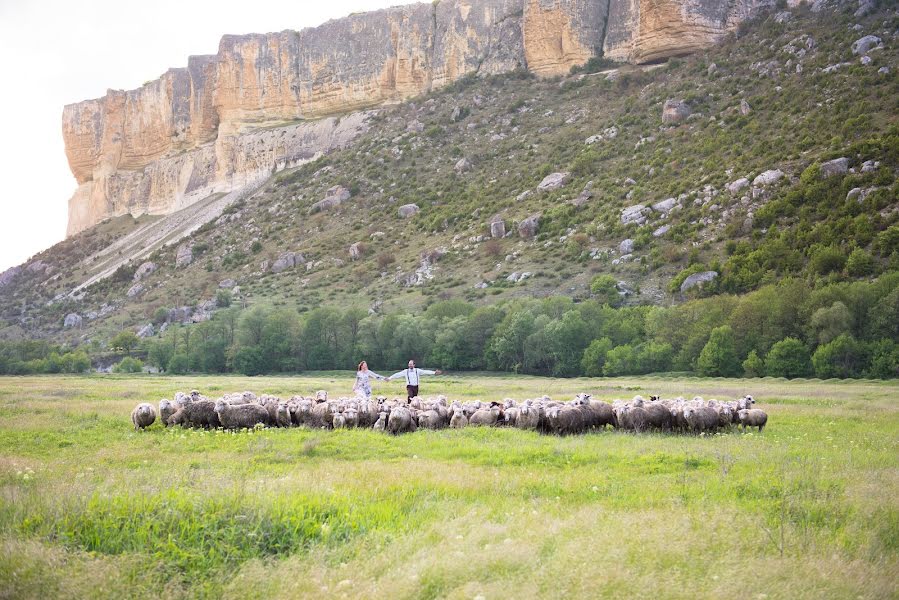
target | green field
[{"x": 91, "y": 509}]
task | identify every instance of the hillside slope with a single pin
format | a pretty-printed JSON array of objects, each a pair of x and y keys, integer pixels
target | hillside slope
[{"x": 771, "y": 106}]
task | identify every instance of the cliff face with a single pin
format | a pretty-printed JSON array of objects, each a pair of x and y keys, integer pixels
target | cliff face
[{"x": 209, "y": 127}]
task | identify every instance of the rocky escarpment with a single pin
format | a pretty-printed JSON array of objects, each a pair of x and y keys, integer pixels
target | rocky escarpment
[{"x": 228, "y": 119}]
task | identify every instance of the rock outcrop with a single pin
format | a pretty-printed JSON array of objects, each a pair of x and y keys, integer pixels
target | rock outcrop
[{"x": 230, "y": 119}]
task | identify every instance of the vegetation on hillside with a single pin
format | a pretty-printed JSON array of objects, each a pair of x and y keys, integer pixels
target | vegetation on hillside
[{"x": 806, "y": 229}]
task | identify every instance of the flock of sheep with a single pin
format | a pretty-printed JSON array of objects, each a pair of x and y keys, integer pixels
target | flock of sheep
[{"x": 246, "y": 410}]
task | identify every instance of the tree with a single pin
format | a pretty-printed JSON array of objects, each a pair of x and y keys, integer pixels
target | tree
[
  {"x": 719, "y": 356},
  {"x": 788, "y": 358},
  {"x": 223, "y": 299},
  {"x": 654, "y": 357},
  {"x": 178, "y": 364},
  {"x": 605, "y": 290},
  {"x": 160, "y": 353},
  {"x": 128, "y": 365},
  {"x": 753, "y": 366},
  {"x": 567, "y": 338},
  {"x": 594, "y": 358},
  {"x": 843, "y": 357},
  {"x": 620, "y": 360},
  {"x": 507, "y": 346},
  {"x": 250, "y": 361},
  {"x": 124, "y": 340},
  {"x": 884, "y": 361},
  {"x": 829, "y": 323},
  {"x": 884, "y": 316},
  {"x": 860, "y": 263}
]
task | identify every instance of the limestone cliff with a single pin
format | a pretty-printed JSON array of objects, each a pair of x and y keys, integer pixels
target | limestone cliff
[{"x": 230, "y": 118}]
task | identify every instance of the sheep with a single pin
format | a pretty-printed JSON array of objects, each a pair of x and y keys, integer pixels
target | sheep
[
  {"x": 381, "y": 423},
  {"x": 321, "y": 415},
  {"x": 657, "y": 416},
  {"x": 338, "y": 420},
  {"x": 753, "y": 417},
  {"x": 196, "y": 414},
  {"x": 566, "y": 420},
  {"x": 143, "y": 415},
  {"x": 528, "y": 416},
  {"x": 282, "y": 415},
  {"x": 401, "y": 421},
  {"x": 166, "y": 410},
  {"x": 242, "y": 416},
  {"x": 430, "y": 419},
  {"x": 321, "y": 396},
  {"x": 458, "y": 420},
  {"x": 485, "y": 416},
  {"x": 701, "y": 419}
]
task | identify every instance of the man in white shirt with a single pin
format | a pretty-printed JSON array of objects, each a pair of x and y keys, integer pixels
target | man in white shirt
[{"x": 412, "y": 376}]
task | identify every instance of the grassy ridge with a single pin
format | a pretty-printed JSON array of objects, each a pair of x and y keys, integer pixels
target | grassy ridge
[{"x": 88, "y": 507}]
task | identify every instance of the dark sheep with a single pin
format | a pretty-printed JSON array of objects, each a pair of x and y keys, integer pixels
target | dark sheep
[{"x": 242, "y": 416}]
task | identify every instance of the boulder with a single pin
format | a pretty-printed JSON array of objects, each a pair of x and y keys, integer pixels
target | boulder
[
  {"x": 146, "y": 331},
  {"x": 497, "y": 227},
  {"x": 837, "y": 166},
  {"x": 287, "y": 260},
  {"x": 745, "y": 109},
  {"x": 227, "y": 284},
  {"x": 72, "y": 320},
  {"x": 145, "y": 269},
  {"x": 527, "y": 229},
  {"x": 865, "y": 44},
  {"x": 675, "y": 111},
  {"x": 334, "y": 197},
  {"x": 407, "y": 210},
  {"x": 626, "y": 246},
  {"x": 665, "y": 206},
  {"x": 634, "y": 214},
  {"x": 415, "y": 126},
  {"x": 768, "y": 177},
  {"x": 356, "y": 251},
  {"x": 661, "y": 231},
  {"x": 135, "y": 290},
  {"x": 462, "y": 166},
  {"x": 8, "y": 275},
  {"x": 554, "y": 181},
  {"x": 523, "y": 195},
  {"x": 584, "y": 196},
  {"x": 698, "y": 279},
  {"x": 184, "y": 255},
  {"x": 734, "y": 187}
]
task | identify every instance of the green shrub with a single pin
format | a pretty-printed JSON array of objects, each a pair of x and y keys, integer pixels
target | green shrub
[
  {"x": 719, "y": 356},
  {"x": 753, "y": 366},
  {"x": 128, "y": 365},
  {"x": 860, "y": 263},
  {"x": 178, "y": 364},
  {"x": 788, "y": 358}
]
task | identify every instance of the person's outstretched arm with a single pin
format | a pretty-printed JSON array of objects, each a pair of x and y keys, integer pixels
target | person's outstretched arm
[
  {"x": 381, "y": 377},
  {"x": 429, "y": 372},
  {"x": 397, "y": 375}
]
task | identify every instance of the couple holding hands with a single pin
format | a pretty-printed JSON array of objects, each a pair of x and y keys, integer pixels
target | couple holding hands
[{"x": 362, "y": 386}]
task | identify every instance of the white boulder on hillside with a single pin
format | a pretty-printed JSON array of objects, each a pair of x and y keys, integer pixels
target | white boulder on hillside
[
  {"x": 72, "y": 320},
  {"x": 864, "y": 45},
  {"x": 334, "y": 197},
  {"x": 635, "y": 214},
  {"x": 675, "y": 111},
  {"x": 698, "y": 279},
  {"x": 626, "y": 246},
  {"x": 665, "y": 206},
  {"x": 407, "y": 210},
  {"x": 527, "y": 229},
  {"x": 497, "y": 227},
  {"x": 734, "y": 187},
  {"x": 837, "y": 166},
  {"x": 463, "y": 165},
  {"x": 184, "y": 255},
  {"x": 287, "y": 260},
  {"x": 554, "y": 181},
  {"x": 145, "y": 269},
  {"x": 768, "y": 177},
  {"x": 356, "y": 251}
]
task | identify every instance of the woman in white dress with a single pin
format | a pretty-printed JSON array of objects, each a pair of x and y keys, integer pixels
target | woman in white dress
[{"x": 362, "y": 386}]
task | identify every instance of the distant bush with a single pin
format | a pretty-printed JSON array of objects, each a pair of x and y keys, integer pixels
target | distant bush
[{"x": 128, "y": 365}]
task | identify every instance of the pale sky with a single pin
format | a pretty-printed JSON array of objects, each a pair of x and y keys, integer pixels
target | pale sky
[{"x": 55, "y": 52}]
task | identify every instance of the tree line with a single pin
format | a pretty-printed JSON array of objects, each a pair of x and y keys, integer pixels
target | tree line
[{"x": 787, "y": 329}]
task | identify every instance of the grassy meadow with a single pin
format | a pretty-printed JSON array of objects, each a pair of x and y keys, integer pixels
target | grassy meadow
[{"x": 89, "y": 508}]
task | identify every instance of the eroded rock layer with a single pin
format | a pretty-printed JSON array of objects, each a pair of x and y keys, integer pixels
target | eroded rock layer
[{"x": 229, "y": 118}]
